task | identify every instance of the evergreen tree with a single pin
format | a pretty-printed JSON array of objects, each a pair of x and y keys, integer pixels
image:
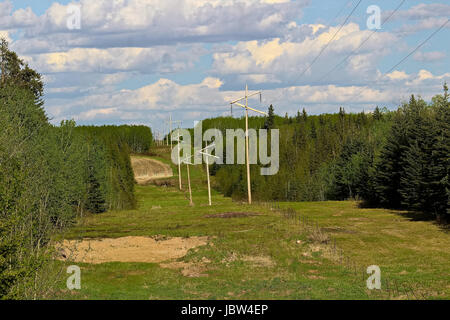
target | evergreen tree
[
  {"x": 270, "y": 119},
  {"x": 304, "y": 115},
  {"x": 298, "y": 117},
  {"x": 440, "y": 167},
  {"x": 313, "y": 132},
  {"x": 377, "y": 115},
  {"x": 390, "y": 166}
]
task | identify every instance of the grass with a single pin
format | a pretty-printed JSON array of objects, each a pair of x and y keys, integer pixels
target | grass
[{"x": 261, "y": 256}]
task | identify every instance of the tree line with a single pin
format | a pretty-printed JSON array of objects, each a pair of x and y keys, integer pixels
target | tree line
[
  {"x": 50, "y": 175},
  {"x": 397, "y": 159}
]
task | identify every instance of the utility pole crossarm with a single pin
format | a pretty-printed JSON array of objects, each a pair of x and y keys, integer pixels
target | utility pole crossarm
[
  {"x": 246, "y": 107},
  {"x": 209, "y": 155},
  {"x": 243, "y": 98},
  {"x": 185, "y": 160}
]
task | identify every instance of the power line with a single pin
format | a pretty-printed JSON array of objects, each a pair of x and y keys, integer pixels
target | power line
[
  {"x": 340, "y": 11},
  {"x": 359, "y": 47},
  {"x": 331, "y": 40},
  {"x": 409, "y": 54},
  {"x": 419, "y": 46}
]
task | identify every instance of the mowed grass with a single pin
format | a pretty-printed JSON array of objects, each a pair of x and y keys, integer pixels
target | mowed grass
[{"x": 260, "y": 256}]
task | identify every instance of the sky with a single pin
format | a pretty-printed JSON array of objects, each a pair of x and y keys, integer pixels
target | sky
[{"x": 138, "y": 61}]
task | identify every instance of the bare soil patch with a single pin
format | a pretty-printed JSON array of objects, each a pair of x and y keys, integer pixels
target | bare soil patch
[
  {"x": 129, "y": 249},
  {"x": 189, "y": 269},
  {"x": 232, "y": 215},
  {"x": 146, "y": 170},
  {"x": 256, "y": 261}
]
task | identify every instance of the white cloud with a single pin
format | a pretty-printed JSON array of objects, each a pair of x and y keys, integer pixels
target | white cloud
[
  {"x": 397, "y": 75},
  {"x": 425, "y": 24},
  {"x": 284, "y": 61},
  {"x": 146, "y": 23},
  {"x": 5, "y": 34},
  {"x": 431, "y": 56},
  {"x": 17, "y": 19},
  {"x": 422, "y": 11},
  {"x": 115, "y": 78},
  {"x": 260, "y": 42},
  {"x": 207, "y": 99},
  {"x": 143, "y": 60}
]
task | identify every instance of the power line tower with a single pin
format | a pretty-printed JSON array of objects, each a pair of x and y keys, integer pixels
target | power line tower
[{"x": 246, "y": 107}]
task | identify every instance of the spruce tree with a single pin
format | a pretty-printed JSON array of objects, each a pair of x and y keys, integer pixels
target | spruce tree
[
  {"x": 440, "y": 162},
  {"x": 389, "y": 169},
  {"x": 298, "y": 118},
  {"x": 304, "y": 115},
  {"x": 270, "y": 119},
  {"x": 377, "y": 115}
]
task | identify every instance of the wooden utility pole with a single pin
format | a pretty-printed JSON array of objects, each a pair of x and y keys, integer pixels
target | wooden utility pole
[
  {"x": 191, "y": 203},
  {"x": 246, "y": 107},
  {"x": 187, "y": 162},
  {"x": 170, "y": 130},
  {"x": 209, "y": 183},
  {"x": 205, "y": 152},
  {"x": 179, "y": 160},
  {"x": 169, "y": 123},
  {"x": 249, "y": 188}
]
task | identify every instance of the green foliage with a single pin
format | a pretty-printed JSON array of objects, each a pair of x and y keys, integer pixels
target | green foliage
[
  {"x": 138, "y": 138},
  {"x": 49, "y": 175},
  {"x": 270, "y": 120},
  {"x": 414, "y": 168},
  {"x": 311, "y": 157},
  {"x": 394, "y": 159},
  {"x": 15, "y": 73}
]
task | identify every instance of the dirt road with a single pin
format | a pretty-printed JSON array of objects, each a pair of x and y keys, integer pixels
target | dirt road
[{"x": 146, "y": 170}]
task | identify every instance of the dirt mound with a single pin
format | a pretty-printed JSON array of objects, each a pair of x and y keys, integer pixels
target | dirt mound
[
  {"x": 129, "y": 249},
  {"x": 232, "y": 215},
  {"x": 146, "y": 170}
]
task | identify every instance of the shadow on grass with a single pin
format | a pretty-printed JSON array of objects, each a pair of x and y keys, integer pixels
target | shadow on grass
[{"x": 442, "y": 222}]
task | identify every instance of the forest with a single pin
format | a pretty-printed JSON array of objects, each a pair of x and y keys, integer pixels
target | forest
[
  {"x": 50, "y": 175},
  {"x": 394, "y": 159}
]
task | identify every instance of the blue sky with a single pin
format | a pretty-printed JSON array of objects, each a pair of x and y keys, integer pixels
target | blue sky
[{"x": 137, "y": 61}]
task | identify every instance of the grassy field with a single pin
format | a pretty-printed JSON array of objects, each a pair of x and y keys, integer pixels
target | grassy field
[{"x": 264, "y": 255}]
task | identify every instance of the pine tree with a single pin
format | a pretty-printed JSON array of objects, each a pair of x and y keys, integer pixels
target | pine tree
[
  {"x": 270, "y": 119},
  {"x": 304, "y": 115},
  {"x": 298, "y": 117},
  {"x": 377, "y": 115}
]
